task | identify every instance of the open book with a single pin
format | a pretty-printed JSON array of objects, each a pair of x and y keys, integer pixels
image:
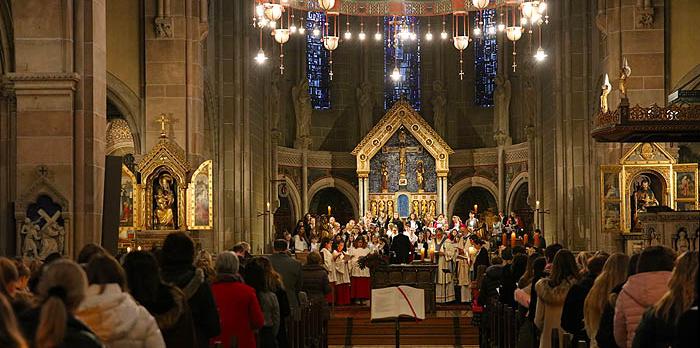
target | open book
[{"x": 398, "y": 301}]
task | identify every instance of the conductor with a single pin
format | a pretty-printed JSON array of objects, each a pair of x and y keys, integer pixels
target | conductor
[{"x": 400, "y": 249}]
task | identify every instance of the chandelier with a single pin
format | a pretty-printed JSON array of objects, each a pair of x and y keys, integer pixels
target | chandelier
[{"x": 284, "y": 18}]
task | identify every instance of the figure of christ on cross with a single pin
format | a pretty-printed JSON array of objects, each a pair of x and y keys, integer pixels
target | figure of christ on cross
[{"x": 402, "y": 149}]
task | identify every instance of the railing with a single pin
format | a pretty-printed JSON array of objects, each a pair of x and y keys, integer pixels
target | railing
[
  {"x": 655, "y": 113},
  {"x": 308, "y": 326}
]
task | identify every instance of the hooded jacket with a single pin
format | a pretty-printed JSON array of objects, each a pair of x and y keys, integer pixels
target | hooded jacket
[
  {"x": 550, "y": 302},
  {"x": 117, "y": 319},
  {"x": 639, "y": 293}
]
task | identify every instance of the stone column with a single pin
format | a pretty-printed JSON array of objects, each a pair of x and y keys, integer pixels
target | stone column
[
  {"x": 305, "y": 181},
  {"x": 441, "y": 193}
]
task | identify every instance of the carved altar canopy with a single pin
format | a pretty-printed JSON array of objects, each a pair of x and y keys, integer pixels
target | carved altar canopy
[{"x": 416, "y": 137}]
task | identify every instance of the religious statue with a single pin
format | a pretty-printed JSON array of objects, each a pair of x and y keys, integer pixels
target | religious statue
[
  {"x": 682, "y": 242},
  {"x": 416, "y": 207},
  {"x": 402, "y": 152},
  {"x": 385, "y": 178},
  {"x": 373, "y": 208},
  {"x": 625, "y": 72},
  {"x": 302, "y": 109},
  {"x": 365, "y": 107},
  {"x": 382, "y": 207},
  {"x": 424, "y": 208},
  {"x": 501, "y": 111},
  {"x": 432, "y": 208},
  {"x": 604, "y": 95},
  {"x": 644, "y": 195},
  {"x": 52, "y": 235},
  {"x": 439, "y": 101},
  {"x": 420, "y": 180},
  {"x": 390, "y": 208},
  {"x": 165, "y": 200},
  {"x": 30, "y": 231}
]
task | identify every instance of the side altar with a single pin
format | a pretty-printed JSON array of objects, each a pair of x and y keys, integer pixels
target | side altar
[{"x": 402, "y": 166}]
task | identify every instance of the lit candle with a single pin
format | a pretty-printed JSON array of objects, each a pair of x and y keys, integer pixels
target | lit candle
[
  {"x": 503, "y": 239},
  {"x": 128, "y": 250},
  {"x": 512, "y": 240},
  {"x": 329, "y": 210},
  {"x": 422, "y": 254},
  {"x": 138, "y": 248},
  {"x": 268, "y": 206},
  {"x": 476, "y": 207},
  {"x": 537, "y": 205}
]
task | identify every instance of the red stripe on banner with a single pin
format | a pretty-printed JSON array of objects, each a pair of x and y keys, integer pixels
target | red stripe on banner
[{"x": 410, "y": 305}]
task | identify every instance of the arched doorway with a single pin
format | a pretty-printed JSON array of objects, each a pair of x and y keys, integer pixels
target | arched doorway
[
  {"x": 480, "y": 196},
  {"x": 518, "y": 204},
  {"x": 284, "y": 217},
  {"x": 342, "y": 210}
]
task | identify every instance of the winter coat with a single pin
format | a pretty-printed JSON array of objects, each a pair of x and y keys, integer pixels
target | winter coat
[
  {"x": 550, "y": 302},
  {"x": 239, "y": 312},
  {"x": 174, "y": 318},
  {"x": 605, "y": 337},
  {"x": 572, "y": 313},
  {"x": 653, "y": 332},
  {"x": 199, "y": 298},
  {"x": 491, "y": 283},
  {"x": 77, "y": 333},
  {"x": 688, "y": 329},
  {"x": 639, "y": 293},
  {"x": 290, "y": 270},
  {"x": 316, "y": 286},
  {"x": 117, "y": 319}
]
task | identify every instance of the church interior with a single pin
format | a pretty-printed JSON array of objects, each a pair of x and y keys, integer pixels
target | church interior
[{"x": 243, "y": 120}]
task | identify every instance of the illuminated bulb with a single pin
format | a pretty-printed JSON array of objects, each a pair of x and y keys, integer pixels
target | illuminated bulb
[
  {"x": 540, "y": 55},
  {"x": 536, "y": 18},
  {"x": 362, "y": 36},
  {"x": 377, "y": 36},
  {"x": 260, "y": 58},
  {"x": 429, "y": 36},
  {"x": 501, "y": 27},
  {"x": 260, "y": 10},
  {"x": 477, "y": 31},
  {"x": 273, "y": 24},
  {"x": 347, "y": 35},
  {"x": 414, "y": 37},
  {"x": 263, "y": 22},
  {"x": 523, "y": 20},
  {"x": 293, "y": 28},
  {"x": 302, "y": 30},
  {"x": 316, "y": 32},
  {"x": 395, "y": 74},
  {"x": 443, "y": 35},
  {"x": 542, "y": 7}
]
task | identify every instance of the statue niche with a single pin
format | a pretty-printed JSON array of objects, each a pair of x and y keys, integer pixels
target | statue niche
[{"x": 42, "y": 230}]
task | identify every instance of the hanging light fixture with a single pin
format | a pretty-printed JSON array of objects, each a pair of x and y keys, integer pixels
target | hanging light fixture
[
  {"x": 460, "y": 37},
  {"x": 443, "y": 33},
  {"x": 362, "y": 34},
  {"x": 348, "y": 34},
  {"x": 292, "y": 24},
  {"x": 330, "y": 39},
  {"x": 480, "y": 4},
  {"x": 514, "y": 33},
  {"x": 273, "y": 12},
  {"x": 395, "y": 74},
  {"x": 429, "y": 34},
  {"x": 260, "y": 58},
  {"x": 378, "y": 34},
  {"x": 326, "y": 5}
]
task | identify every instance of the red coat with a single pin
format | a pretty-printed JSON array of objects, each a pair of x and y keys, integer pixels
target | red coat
[{"x": 239, "y": 312}]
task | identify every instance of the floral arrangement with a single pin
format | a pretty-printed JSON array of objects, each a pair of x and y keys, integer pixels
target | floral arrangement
[{"x": 372, "y": 261}]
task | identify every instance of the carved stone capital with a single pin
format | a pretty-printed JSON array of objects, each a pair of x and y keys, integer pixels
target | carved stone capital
[
  {"x": 501, "y": 138},
  {"x": 163, "y": 27},
  {"x": 644, "y": 16},
  {"x": 530, "y": 132},
  {"x": 303, "y": 143}
]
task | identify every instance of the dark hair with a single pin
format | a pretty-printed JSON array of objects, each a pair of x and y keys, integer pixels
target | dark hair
[
  {"x": 563, "y": 267},
  {"x": 314, "y": 258},
  {"x": 88, "y": 251},
  {"x": 279, "y": 245},
  {"x": 52, "y": 257},
  {"x": 496, "y": 260},
  {"x": 22, "y": 269},
  {"x": 145, "y": 284},
  {"x": 104, "y": 269},
  {"x": 551, "y": 250},
  {"x": 325, "y": 241},
  {"x": 596, "y": 263},
  {"x": 255, "y": 276},
  {"x": 519, "y": 249},
  {"x": 8, "y": 275},
  {"x": 507, "y": 254},
  {"x": 518, "y": 266},
  {"x": 632, "y": 265},
  {"x": 656, "y": 258},
  {"x": 178, "y": 249},
  {"x": 238, "y": 248}
]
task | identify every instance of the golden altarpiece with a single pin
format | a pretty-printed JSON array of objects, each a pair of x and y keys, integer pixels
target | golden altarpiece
[
  {"x": 402, "y": 166},
  {"x": 649, "y": 198},
  {"x": 164, "y": 195}
]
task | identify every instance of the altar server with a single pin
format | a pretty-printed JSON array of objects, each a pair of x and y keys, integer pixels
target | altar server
[
  {"x": 359, "y": 280},
  {"x": 444, "y": 252},
  {"x": 342, "y": 274},
  {"x": 329, "y": 265}
]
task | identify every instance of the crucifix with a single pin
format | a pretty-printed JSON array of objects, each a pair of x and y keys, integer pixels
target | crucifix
[
  {"x": 402, "y": 149},
  {"x": 163, "y": 120}
]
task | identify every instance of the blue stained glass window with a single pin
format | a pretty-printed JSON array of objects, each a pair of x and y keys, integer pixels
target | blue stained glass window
[
  {"x": 317, "y": 62},
  {"x": 485, "y": 59},
  {"x": 407, "y": 57}
]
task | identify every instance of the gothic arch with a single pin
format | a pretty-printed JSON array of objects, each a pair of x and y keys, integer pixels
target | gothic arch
[
  {"x": 294, "y": 197},
  {"x": 519, "y": 179},
  {"x": 343, "y": 186},
  {"x": 457, "y": 189},
  {"x": 129, "y": 105}
]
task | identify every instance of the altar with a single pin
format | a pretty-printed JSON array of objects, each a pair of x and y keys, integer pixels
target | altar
[{"x": 402, "y": 166}]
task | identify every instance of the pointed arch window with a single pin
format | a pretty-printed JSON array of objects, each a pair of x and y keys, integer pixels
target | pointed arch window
[
  {"x": 485, "y": 59},
  {"x": 317, "y": 62}
]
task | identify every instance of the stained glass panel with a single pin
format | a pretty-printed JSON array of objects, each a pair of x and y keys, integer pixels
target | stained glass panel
[
  {"x": 317, "y": 62},
  {"x": 485, "y": 60},
  {"x": 405, "y": 56}
]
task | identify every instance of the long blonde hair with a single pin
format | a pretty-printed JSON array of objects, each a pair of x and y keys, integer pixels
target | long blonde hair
[
  {"x": 614, "y": 273},
  {"x": 681, "y": 289},
  {"x": 10, "y": 335},
  {"x": 61, "y": 289}
]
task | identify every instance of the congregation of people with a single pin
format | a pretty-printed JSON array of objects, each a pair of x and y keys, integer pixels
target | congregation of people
[{"x": 178, "y": 296}]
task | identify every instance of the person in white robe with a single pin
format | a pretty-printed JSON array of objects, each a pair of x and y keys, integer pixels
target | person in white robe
[
  {"x": 444, "y": 253},
  {"x": 463, "y": 269}
]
